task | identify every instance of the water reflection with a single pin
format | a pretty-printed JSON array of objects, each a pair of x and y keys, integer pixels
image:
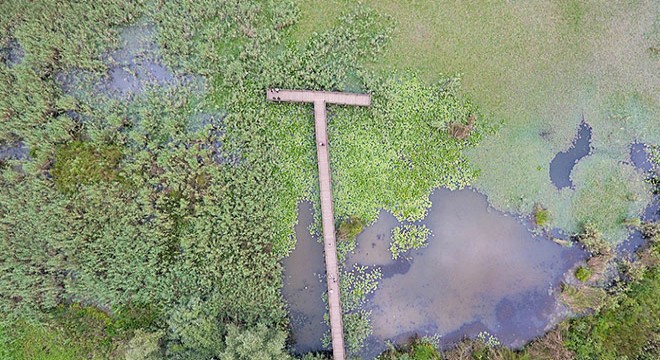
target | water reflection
[{"x": 482, "y": 271}]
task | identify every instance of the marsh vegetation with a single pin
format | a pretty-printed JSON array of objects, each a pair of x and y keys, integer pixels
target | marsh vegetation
[{"x": 149, "y": 193}]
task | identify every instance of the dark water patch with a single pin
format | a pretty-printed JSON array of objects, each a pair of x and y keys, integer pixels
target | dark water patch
[
  {"x": 135, "y": 66},
  {"x": 482, "y": 271},
  {"x": 373, "y": 247},
  {"x": 399, "y": 267},
  {"x": 563, "y": 163},
  {"x": 12, "y": 53},
  {"x": 633, "y": 243},
  {"x": 640, "y": 157},
  {"x": 14, "y": 151},
  {"x": 304, "y": 286}
]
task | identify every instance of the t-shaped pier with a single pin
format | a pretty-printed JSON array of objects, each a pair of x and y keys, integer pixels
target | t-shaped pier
[{"x": 320, "y": 98}]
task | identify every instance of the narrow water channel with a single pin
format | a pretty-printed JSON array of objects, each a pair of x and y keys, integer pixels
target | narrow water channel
[
  {"x": 482, "y": 271},
  {"x": 562, "y": 164},
  {"x": 640, "y": 158},
  {"x": 304, "y": 285}
]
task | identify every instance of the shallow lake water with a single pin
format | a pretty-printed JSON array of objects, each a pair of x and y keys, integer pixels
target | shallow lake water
[{"x": 481, "y": 271}]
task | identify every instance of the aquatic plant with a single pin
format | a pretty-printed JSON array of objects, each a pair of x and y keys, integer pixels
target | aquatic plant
[
  {"x": 417, "y": 348},
  {"x": 488, "y": 339},
  {"x": 592, "y": 240},
  {"x": 206, "y": 207},
  {"x": 544, "y": 105},
  {"x": 408, "y": 237}
]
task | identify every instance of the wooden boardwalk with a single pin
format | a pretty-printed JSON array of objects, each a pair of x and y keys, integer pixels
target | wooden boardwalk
[{"x": 320, "y": 98}]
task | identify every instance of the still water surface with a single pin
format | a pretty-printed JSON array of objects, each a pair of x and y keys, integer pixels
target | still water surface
[{"x": 481, "y": 271}]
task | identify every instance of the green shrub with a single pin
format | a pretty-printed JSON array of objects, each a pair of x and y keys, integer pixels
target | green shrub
[
  {"x": 541, "y": 216},
  {"x": 407, "y": 237},
  {"x": 350, "y": 228},
  {"x": 256, "y": 343},
  {"x": 623, "y": 329},
  {"x": 143, "y": 346},
  {"x": 583, "y": 273}
]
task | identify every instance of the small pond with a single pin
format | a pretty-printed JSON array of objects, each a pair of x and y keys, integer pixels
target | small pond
[{"x": 482, "y": 271}]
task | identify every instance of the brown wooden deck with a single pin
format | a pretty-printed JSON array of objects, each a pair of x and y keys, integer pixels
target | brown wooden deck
[{"x": 320, "y": 98}]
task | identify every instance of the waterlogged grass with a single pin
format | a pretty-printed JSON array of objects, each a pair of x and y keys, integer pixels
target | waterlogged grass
[{"x": 540, "y": 67}]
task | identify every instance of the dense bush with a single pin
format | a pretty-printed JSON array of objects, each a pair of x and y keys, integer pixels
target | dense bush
[{"x": 583, "y": 273}]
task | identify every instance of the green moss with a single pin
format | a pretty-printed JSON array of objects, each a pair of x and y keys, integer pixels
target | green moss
[{"x": 82, "y": 163}]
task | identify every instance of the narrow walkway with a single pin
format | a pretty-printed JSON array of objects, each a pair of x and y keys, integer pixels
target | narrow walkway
[{"x": 320, "y": 98}]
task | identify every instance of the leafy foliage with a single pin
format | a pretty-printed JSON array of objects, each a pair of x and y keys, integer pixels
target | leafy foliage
[
  {"x": 185, "y": 201},
  {"x": 623, "y": 329},
  {"x": 417, "y": 349},
  {"x": 75, "y": 331},
  {"x": 258, "y": 343}
]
